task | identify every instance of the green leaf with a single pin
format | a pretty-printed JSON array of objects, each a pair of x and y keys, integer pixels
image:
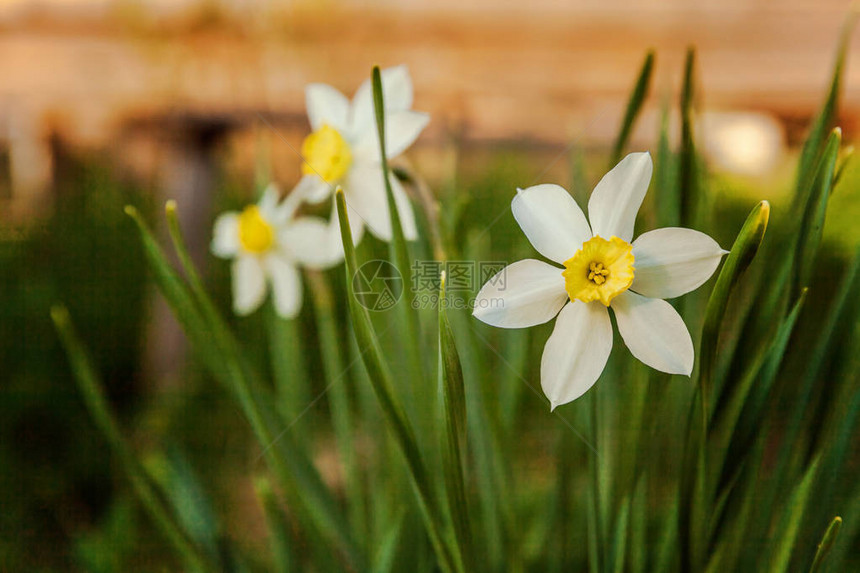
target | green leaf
[
  {"x": 153, "y": 501},
  {"x": 454, "y": 414},
  {"x": 688, "y": 173},
  {"x": 634, "y": 106},
  {"x": 696, "y": 483},
  {"x": 284, "y": 559},
  {"x": 783, "y": 543},
  {"x": 725, "y": 426},
  {"x": 619, "y": 539},
  {"x": 812, "y": 223},
  {"x": 383, "y": 561},
  {"x": 743, "y": 251},
  {"x": 192, "y": 506},
  {"x": 845, "y": 160},
  {"x": 417, "y": 388},
  {"x": 287, "y": 356},
  {"x": 338, "y": 394},
  {"x": 826, "y": 544},
  {"x": 815, "y": 359},
  {"x": 392, "y": 410},
  {"x": 824, "y": 120},
  {"x": 667, "y": 202},
  {"x": 220, "y": 353}
]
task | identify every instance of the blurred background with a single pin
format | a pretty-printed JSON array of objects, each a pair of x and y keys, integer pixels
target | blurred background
[{"x": 108, "y": 102}]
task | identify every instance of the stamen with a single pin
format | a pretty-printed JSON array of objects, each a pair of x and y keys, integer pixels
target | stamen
[{"x": 597, "y": 273}]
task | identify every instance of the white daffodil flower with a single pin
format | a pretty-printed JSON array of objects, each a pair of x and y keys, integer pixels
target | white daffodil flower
[
  {"x": 343, "y": 149},
  {"x": 267, "y": 243},
  {"x": 602, "y": 269}
]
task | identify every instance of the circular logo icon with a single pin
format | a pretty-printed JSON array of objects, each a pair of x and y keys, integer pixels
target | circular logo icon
[{"x": 377, "y": 285}]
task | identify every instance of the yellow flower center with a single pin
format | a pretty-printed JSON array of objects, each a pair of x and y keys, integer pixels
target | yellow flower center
[
  {"x": 255, "y": 233},
  {"x": 326, "y": 154},
  {"x": 600, "y": 270}
]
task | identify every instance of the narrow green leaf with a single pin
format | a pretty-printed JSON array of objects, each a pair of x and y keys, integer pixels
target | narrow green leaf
[
  {"x": 383, "y": 561},
  {"x": 422, "y": 398},
  {"x": 743, "y": 251},
  {"x": 284, "y": 558},
  {"x": 501, "y": 538},
  {"x": 189, "y": 500},
  {"x": 725, "y": 426},
  {"x": 824, "y": 120},
  {"x": 667, "y": 546},
  {"x": 454, "y": 414},
  {"x": 634, "y": 106},
  {"x": 398, "y": 242},
  {"x": 731, "y": 539},
  {"x": 619, "y": 539},
  {"x": 92, "y": 391},
  {"x": 381, "y": 379},
  {"x": 827, "y": 331},
  {"x": 640, "y": 551},
  {"x": 812, "y": 223},
  {"x": 688, "y": 175},
  {"x": 221, "y": 355},
  {"x": 338, "y": 394},
  {"x": 287, "y": 356},
  {"x": 826, "y": 544},
  {"x": 667, "y": 202},
  {"x": 697, "y": 481},
  {"x": 845, "y": 161},
  {"x": 597, "y": 546},
  {"x": 789, "y": 527}
]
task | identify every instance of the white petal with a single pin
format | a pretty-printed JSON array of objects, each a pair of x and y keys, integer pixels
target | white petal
[
  {"x": 654, "y": 332},
  {"x": 364, "y": 191},
  {"x": 396, "y": 95},
  {"x": 249, "y": 285},
  {"x": 312, "y": 188},
  {"x": 402, "y": 128},
  {"x": 576, "y": 352},
  {"x": 673, "y": 261},
  {"x": 326, "y": 105},
  {"x": 268, "y": 205},
  {"x": 552, "y": 221},
  {"x": 522, "y": 294},
  {"x": 311, "y": 242},
  {"x": 286, "y": 285},
  {"x": 615, "y": 201},
  {"x": 404, "y": 209},
  {"x": 225, "y": 235}
]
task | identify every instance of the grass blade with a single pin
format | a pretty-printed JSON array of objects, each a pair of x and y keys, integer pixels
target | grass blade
[
  {"x": 826, "y": 117},
  {"x": 454, "y": 414},
  {"x": 826, "y": 544},
  {"x": 812, "y": 223},
  {"x": 634, "y": 107},
  {"x": 780, "y": 556},
  {"x": 399, "y": 250},
  {"x": 619, "y": 541},
  {"x": 338, "y": 394},
  {"x": 382, "y": 381},
  {"x": 688, "y": 176},
  {"x": 212, "y": 339},
  {"x": 93, "y": 394},
  {"x": 726, "y": 427},
  {"x": 743, "y": 251},
  {"x": 287, "y": 356}
]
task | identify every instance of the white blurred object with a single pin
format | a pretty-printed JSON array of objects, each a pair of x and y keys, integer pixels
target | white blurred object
[{"x": 743, "y": 142}]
